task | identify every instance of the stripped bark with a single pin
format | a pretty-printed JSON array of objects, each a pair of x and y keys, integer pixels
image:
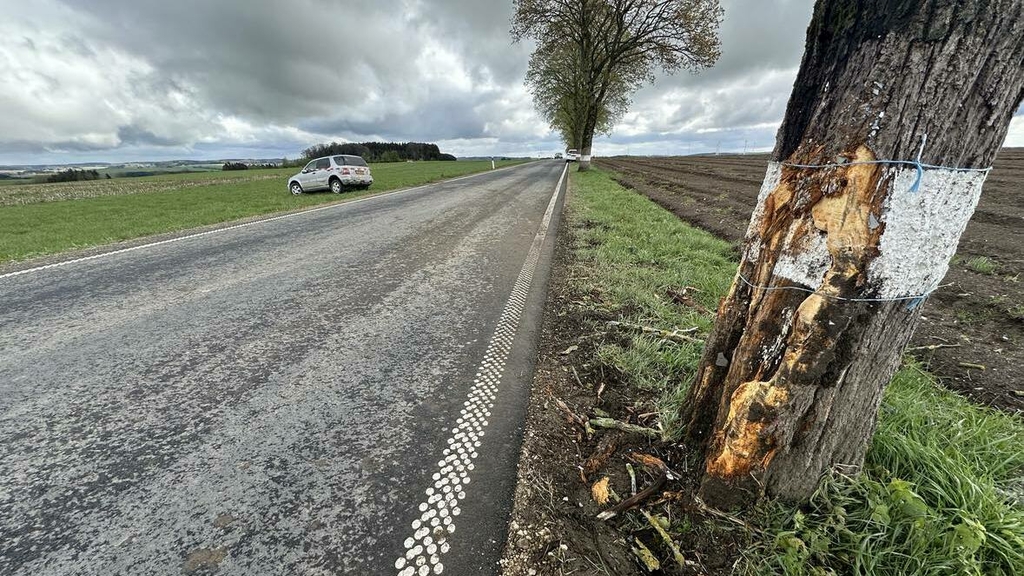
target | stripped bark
[{"x": 791, "y": 381}]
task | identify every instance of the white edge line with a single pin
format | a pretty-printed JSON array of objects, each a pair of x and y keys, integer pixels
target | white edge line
[
  {"x": 252, "y": 223},
  {"x": 431, "y": 531}
]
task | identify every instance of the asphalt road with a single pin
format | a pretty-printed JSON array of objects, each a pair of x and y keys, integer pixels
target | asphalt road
[{"x": 279, "y": 398}]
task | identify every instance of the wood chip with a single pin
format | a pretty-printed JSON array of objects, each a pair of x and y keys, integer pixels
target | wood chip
[
  {"x": 600, "y": 491},
  {"x": 663, "y": 474}
]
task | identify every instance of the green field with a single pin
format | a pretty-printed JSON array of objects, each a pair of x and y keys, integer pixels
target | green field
[{"x": 42, "y": 219}]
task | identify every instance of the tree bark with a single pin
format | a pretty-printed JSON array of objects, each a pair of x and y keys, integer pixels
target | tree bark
[
  {"x": 793, "y": 373},
  {"x": 585, "y": 150},
  {"x": 585, "y": 156},
  {"x": 588, "y": 141}
]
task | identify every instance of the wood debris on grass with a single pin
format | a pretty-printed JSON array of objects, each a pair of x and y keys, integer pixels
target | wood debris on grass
[
  {"x": 663, "y": 474},
  {"x": 611, "y": 423},
  {"x": 646, "y": 557},
  {"x": 677, "y": 336},
  {"x": 683, "y": 297},
  {"x": 656, "y": 523}
]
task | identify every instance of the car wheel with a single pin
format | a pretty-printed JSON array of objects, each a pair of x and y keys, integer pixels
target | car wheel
[
  {"x": 296, "y": 188},
  {"x": 336, "y": 186}
]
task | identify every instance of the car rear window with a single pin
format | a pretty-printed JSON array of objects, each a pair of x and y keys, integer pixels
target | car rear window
[
  {"x": 323, "y": 163},
  {"x": 355, "y": 161}
]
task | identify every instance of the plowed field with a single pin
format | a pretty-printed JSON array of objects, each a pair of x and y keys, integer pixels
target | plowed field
[{"x": 972, "y": 330}]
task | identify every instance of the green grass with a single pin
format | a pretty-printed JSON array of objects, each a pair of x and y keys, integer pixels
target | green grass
[
  {"x": 631, "y": 254},
  {"x": 35, "y": 229},
  {"x": 982, "y": 265},
  {"x": 941, "y": 491},
  {"x": 936, "y": 496}
]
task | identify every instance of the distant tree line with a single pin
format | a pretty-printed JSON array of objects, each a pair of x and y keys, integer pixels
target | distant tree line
[
  {"x": 379, "y": 151},
  {"x": 72, "y": 175},
  {"x": 235, "y": 166}
]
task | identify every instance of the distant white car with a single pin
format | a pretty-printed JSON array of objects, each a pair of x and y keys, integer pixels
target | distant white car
[
  {"x": 572, "y": 155},
  {"x": 334, "y": 173}
]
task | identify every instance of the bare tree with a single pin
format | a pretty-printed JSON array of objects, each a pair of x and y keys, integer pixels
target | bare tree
[
  {"x": 617, "y": 45},
  {"x": 851, "y": 232}
]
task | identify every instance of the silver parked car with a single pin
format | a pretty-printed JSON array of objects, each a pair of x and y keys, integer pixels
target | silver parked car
[{"x": 334, "y": 173}]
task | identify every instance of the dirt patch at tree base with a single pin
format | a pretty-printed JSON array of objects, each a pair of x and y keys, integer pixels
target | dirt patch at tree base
[{"x": 971, "y": 334}]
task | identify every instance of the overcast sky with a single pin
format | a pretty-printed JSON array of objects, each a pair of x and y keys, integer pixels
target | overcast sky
[{"x": 121, "y": 80}]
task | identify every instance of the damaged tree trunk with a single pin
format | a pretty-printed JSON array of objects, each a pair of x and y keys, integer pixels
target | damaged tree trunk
[{"x": 835, "y": 257}]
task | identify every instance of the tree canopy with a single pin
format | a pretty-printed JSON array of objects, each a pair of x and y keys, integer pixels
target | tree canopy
[{"x": 592, "y": 55}]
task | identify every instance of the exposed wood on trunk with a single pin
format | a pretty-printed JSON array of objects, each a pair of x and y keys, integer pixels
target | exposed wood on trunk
[{"x": 790, "y": 382}]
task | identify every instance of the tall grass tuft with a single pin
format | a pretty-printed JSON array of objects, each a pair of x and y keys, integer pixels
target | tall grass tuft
[{"x": 939, "y": 494}]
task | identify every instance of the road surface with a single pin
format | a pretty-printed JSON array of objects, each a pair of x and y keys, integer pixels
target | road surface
[{"x": 339, "y": 391}]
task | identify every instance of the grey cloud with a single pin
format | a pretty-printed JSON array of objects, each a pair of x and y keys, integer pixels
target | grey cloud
[
  {"x": 132, "y": 135},
  {"x": 319, "y": 65},
  {"x": 759, "y": 35},
  {"x": 480, "y": 30},
  {"x": 237, "y": 77},
  {"x": 448, "y": 118},
  {"x": 21, "y": 147},
  {"x": 267, "y": 60},
  {"x": 354, "y": 70},
  {"x": 286, "y": 60},
  {"x": 77, "y": 45}
]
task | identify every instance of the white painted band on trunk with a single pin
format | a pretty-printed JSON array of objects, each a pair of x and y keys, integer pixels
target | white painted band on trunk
[
  {"x": 432, "y": 530},
  {"x": 585, "y": 157},
  {"x": 922, "y": 230},
  {"x": 771, "y": 181}
]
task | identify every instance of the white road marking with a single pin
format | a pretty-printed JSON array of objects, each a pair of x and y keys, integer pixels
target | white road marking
[
  {"x": 432, "y": 530},
  {"x": 245, "y": 225}
]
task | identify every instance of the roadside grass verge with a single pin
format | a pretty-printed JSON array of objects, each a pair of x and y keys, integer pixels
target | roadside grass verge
[
  {"x": 941, "y": 490},
  {"x": 167, "y": 203}
]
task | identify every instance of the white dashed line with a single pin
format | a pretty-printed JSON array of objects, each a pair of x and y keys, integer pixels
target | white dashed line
[
  {"x": 245, "y": 225},
  {"x": 432, "y": 530}
]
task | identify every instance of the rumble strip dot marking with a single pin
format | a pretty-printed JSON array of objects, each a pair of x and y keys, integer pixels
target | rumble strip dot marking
[{"x": 433, "y": 529}]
